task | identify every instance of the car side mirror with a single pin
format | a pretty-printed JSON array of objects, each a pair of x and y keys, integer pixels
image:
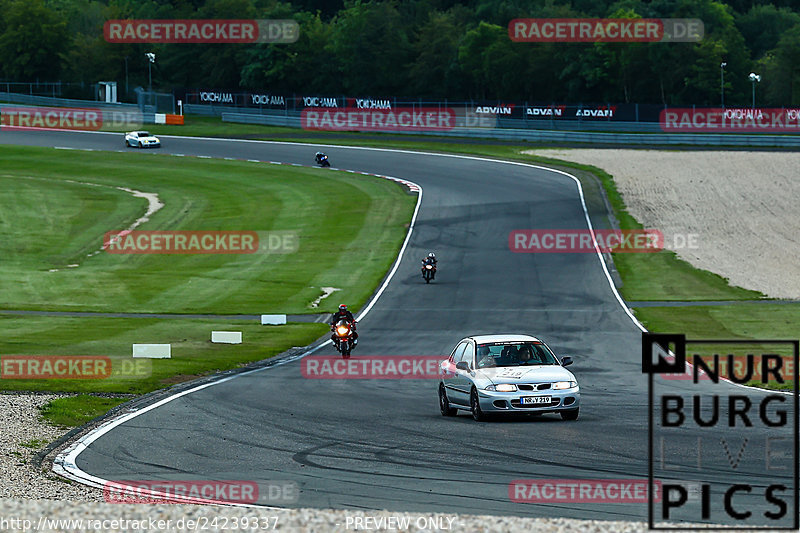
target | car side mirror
[
  {"x": 462, "y": 365},
  {"x": 566, "y": 360}
]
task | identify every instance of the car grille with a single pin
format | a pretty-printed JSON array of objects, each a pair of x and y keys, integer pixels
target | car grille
[{"x": 534, "y": 386}]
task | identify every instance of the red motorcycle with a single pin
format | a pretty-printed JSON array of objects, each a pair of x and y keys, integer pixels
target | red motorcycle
[{"x": 343, "y": 338}]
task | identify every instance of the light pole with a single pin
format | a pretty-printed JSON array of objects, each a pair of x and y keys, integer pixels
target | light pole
[
  {"x": 754, "y": 78},
  {"x": 151, "y": 58},
  {"x": 722, "y": 84}
]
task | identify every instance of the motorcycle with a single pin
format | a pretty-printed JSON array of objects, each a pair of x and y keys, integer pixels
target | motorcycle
[
  {"x": 323, "y": 161},
  {"x": 343, "y": 338},
  {"x": 428, "y": 271}
]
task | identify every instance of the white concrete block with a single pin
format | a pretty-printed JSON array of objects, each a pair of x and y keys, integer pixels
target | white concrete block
[
  {"x": 227, "y": 337},
  {"x": 273, "y": 319},
  {"x": 153, "y": 351},
  {"x": 160, "y": 118}
]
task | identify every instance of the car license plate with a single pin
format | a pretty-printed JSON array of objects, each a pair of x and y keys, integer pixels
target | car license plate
[{"x": 535, "y": 400}]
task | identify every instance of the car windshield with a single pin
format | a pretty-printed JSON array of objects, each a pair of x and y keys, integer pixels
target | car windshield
[
  {"x": 144, "y": 134},
  {"x": 514, "y": 354}
]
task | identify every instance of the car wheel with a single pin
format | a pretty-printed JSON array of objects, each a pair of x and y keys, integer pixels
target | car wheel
[
  {"x": 127, "y": 144},
  {"x": 475, "y": 407},
  {"x": 140, "y": 144},
  {"x": 444, "y": 403},
  {"x": 572, "y": 414}
]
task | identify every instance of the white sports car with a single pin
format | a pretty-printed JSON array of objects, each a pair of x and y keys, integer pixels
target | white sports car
[
  {"x": 142, "y": 139},
  {"x": 507, "y": 374}
]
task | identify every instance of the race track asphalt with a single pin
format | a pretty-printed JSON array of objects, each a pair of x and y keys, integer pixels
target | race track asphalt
[{"x": 382, "y": 444}]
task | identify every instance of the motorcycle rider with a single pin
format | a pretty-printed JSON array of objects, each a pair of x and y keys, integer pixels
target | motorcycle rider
[
  {"x": 318, "y": 157},
  {"x": 430, "y": 260},
  {"x": 344, "y": 314}
]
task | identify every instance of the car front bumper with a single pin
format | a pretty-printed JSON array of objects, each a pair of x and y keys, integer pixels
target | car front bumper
[{"x": 508, "y": 402}]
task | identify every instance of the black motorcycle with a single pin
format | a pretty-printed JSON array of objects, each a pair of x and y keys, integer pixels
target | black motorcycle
[
  {"x": 322, "y": 160},
  {"x": 343, "y": 338},
  {"x": 428, "y": 271}
]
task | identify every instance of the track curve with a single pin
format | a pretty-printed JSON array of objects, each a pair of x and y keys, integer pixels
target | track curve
[{"x": 383, "y": 444}]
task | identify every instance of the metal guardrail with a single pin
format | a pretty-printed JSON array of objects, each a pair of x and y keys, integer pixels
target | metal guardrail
[
  {"x": 643, "y": 139},
  {"x": 49, "y": 101},
  {"x": 148, "y": 117},
  {"x": 211, "y": 110},
  {"x": 580, "y": 125},
  {"x": 266, "y": 120}
]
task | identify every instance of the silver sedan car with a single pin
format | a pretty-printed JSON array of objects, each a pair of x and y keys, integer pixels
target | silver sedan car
[{"x": 489, "y": 374}]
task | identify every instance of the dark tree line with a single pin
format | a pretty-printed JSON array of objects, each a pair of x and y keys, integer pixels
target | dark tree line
[{"x": 431, "y": 49}]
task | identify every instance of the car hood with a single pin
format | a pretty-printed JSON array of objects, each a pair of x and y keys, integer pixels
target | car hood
[
  {"x": 151, "y": 138},
  {"x": 527, "y": 374}
]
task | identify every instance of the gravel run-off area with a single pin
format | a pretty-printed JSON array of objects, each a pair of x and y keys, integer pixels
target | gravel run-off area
[
  {"x": 23, "y": 434},
  {"x": 741, "y": 206},
  {"x": 56, "y": 516}
]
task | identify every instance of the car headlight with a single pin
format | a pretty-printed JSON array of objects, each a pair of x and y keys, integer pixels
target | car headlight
[
  {"x": 561, "y": 385},
  {"x": 502, "y": 387}
]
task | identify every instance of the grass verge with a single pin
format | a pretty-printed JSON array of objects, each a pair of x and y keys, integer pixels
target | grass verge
[
  {"x": 193, "y": 353},
  {"x": 741, "y": 321},
  {"x": 77, "y": 410},
  {"x": 55, "y": 213}
]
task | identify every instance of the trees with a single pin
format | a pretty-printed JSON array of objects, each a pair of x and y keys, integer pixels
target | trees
[
  {"x": 434, "y": 68},
  {"x": 419, "y": 48},
  {"x": 371, "y": 45},
  {"x": 762, "y": 27},
  {"x": 33, "y": 41},
  {"x": 782, "y": 70},
  {"x": 213, "y": 65},
  {"x": 304, "y": 66}
]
